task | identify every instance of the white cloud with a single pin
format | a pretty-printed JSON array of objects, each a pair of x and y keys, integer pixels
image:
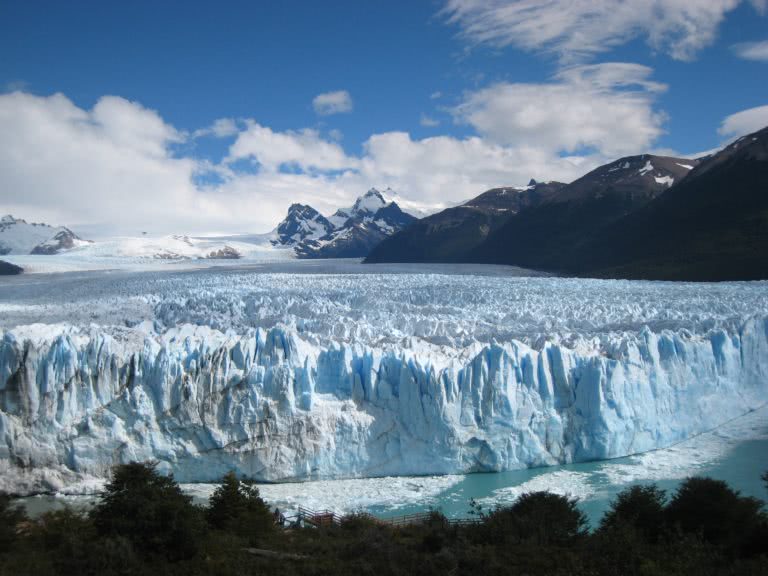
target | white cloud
[
  {"x": 436, "y": 95},
  {"x": 221, "y": 128},
  {"x": 428, "y": 121},
  {"x": 575, "y": 30},
  {"x": 744, "y": 122},
  {"x": 113, "y": 167},
  {"x": 606, "y": 108},
  {"x": 110, "y": 163},
  {"x": 752, "y": 50},
  {"x": 332, "y": 103},
  {"x": 443, "y": 170},
  {"x": 304, "y": 149}
]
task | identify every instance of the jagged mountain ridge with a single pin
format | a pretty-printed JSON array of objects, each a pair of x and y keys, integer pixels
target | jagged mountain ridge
[
  {"x": 550, "y": 235},
  {"x": 450, "y": 235},
  {"x": 533, "y": 226},
  {"x": 711, "y": 226},
  {"x": 348, "y": 233},
  {"x": 17, "y": 236}
]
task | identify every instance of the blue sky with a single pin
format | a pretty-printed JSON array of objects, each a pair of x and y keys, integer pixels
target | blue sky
[{"x": 436, "y": 99}]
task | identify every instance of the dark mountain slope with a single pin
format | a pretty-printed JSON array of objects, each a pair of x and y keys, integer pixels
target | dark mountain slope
[
  {"x": 450, "y": 235},
  {"x": 711, "y": 226},
  {"x": 551, "y": 235}
]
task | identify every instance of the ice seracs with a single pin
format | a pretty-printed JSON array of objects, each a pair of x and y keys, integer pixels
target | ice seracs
[{"x": 298, "y": 398}]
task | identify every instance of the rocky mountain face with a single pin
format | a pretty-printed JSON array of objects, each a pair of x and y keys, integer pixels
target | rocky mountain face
[
  {"x": 302, "y": 222},
  {"x": 538, "y": 226},
  {"x": 8, "y": 269},
  {"x": 713, "y": 225},
  {"x": 348, "y": 233},
  {"x": 548, "y": 235},
  {"x": 451, "y": 235},
  {"x": 18, "y": 236}
]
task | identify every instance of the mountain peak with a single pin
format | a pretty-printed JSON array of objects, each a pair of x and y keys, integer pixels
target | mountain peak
[
  {"x": 369, "y": 203},
  {"x": 302, "y": 222}
]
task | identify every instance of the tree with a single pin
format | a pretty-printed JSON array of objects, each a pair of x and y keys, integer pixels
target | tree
[
  {"x": 638, "y": 507},
  {"x": 718, "y": 514},
  {"x": 10, "y": 518},
  {"x": 237, "y": 507},
  {"x": 150, "y": 510},
  {"x": 539, "y": 518}
]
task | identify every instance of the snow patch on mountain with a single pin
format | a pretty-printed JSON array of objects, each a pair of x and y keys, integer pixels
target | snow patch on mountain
[{"x": 18, "y": 236}]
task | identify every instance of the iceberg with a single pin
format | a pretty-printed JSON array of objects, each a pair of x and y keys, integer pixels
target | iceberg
[{"x": 278, "y": 404}]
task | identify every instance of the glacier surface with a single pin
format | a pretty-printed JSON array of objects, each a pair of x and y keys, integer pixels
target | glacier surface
[{"x": 304, "y": 376}]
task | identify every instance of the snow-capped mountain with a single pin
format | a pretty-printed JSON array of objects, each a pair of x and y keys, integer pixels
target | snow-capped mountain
[
  {"x": 302, "y": 222},
  {"x": 18, "y": 236},
  {"x": 349, "y": 233}
]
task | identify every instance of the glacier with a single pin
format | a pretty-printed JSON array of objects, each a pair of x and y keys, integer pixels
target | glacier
[{"x": 292, "y": 377}]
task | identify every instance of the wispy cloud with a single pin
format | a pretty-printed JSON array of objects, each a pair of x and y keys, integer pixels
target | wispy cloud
[
  {"x": 752, "y": 50},
  {"x": 428, "y": 122},
  {"x": 577, "y": 30},
  {"x": 329, "y": 103},
  {"x": 221, "y": 128},
  {"x": 744, "y": 122}
]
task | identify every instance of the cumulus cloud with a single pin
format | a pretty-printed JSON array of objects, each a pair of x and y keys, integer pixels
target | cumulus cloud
[
  {"x": 744, "y": 122},
  {"x": 605, "y": 108},
  {"x": 304, "y": 149},
  {"x": 221, "y": 128},
  {"x": 111, "y": 170},
  {"x": 329, "y": 103},
  {"x": 752, "y": 50},
  {"x": 117, "y": 167},
  {"x": 444, "y": 170},
  {"x": 576, "y": 30}
]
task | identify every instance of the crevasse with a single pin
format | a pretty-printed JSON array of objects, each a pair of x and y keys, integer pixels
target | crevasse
[{"x": 272, "y": 406}]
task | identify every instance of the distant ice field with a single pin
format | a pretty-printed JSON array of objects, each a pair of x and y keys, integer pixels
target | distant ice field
[{"x": 450, "y": 306}]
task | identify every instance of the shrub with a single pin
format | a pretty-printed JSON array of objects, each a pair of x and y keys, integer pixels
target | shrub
[
  {"x": 540, "y": 518},
  {"x": 150, "y": 511},
  {"x": 237, "y": 507},
  {"x": 717, "y": 513},
  {"x": 638, "y": 507}
]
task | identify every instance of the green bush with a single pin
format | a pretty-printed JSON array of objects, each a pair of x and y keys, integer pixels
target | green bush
[
  {"x": 236, "y": 507},
  {"x": 149, "y": 510},
  {"x": 718, "y": 514},
  {"x": 539, "y": 518},
  {"x": 640, "y": 508}
]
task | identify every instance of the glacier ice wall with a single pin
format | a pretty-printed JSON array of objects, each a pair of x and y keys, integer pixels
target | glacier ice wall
[{"x": 275, "y": 405}]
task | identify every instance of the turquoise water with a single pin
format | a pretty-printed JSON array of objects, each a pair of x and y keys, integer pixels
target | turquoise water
[{"x": 736, "y": 452}]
